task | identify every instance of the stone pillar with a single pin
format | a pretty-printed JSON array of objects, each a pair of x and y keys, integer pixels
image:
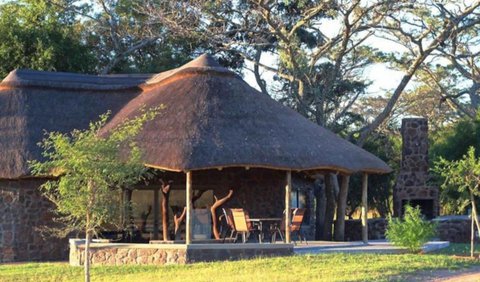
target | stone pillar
[{"x": 413, "y": 177}]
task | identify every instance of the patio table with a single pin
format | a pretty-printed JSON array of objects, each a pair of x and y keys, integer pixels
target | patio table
[{"x": 261, "y": 222}]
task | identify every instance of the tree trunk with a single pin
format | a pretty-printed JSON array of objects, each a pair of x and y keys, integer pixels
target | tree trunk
[
  {"x": 165, "y": 198},
  {"x": 475, "y": 219},
  {"x": 320, "y": 205},
  {"x": 472, "y": 235},
  {"x": 341, "y": 206},
  {"x": 177, "y": 220},
  {"x": 330, "y": 206},
  {"x": 213, "y": 210},
  {"x": 86, "y": 261}
]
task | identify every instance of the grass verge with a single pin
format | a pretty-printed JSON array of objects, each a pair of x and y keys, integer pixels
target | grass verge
[{"x": 322, "y": 267}]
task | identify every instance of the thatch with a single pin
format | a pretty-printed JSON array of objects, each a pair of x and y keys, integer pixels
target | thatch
[
  {"x": 213, "y": 119},
  {"x": 32, "y": 102}
]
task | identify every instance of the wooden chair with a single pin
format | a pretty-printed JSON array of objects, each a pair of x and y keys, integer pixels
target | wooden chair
[
  {"x": 295, "y": 225},
  {"x": 241, "y": 225},
  {"x": 229, "y": 224}
]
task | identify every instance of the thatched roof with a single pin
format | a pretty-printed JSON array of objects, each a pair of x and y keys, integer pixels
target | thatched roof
[
  {"x": 213, "y": 119},
  {"x": 33, "y": 101}
]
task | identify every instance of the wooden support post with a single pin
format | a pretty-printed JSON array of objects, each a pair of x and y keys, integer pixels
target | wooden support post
[
  {"x": 129, "y": 222},
  {"x": 365, "y": 208},
  {"x": 288, "y": 216},
  {"x": 188, "y": 199},
  {"x": 156, "y": 205},
  {"x": 341, "y": 206}
]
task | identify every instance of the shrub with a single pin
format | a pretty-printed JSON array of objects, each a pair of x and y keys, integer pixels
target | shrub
[{"x": 412, "y": 231}]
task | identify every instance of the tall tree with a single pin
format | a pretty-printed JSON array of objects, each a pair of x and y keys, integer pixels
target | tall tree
[
  {"x": 91, "y": 170},
  {"x": 319, "y": 74},
  {"x": 318, "y": 50},
  {"x": 38, "y": 35},
  {"x": 464, "y": 174},
  {"x": 124, "y": 40}
]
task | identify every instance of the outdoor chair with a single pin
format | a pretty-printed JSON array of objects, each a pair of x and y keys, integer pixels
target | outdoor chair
[
  {"x": 227, "y": 224},
  {"x": 296, "y": 223},
  {"x": 278, "y": 229},
  {"x": 241, "y": 224},
  {"x": 295, "y": 226}
]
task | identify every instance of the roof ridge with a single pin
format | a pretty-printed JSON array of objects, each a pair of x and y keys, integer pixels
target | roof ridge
[{"x": 204, "y": 63}]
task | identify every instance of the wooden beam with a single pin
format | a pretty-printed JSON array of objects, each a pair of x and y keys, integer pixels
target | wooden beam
[
  {"x": 188, "y": 199},
  {"x": 365, "y": 208},
  {"x": 288, "y": 216},
  {"x": 156, "y": 209}
]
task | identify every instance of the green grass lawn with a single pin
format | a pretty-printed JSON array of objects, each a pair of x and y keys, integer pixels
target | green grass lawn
[
  {"x": 323, "y": 267},
  {"x": 458, "y": 249}
]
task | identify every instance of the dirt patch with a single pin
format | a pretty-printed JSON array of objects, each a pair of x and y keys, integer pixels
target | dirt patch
[{"x": 459, "y": 275}]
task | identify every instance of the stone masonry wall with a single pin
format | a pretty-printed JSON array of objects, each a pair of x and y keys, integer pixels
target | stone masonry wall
[
  {"x": 162, "y": 254},
  {"x": 413, "y": 177},
  {"x": 455, "y": 229},
  {"x": 376, "y": 229},
  {"x": 22, "y": 211}
]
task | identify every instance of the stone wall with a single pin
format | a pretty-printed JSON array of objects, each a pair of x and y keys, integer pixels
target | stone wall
[
  {"x": 22, "y": 211},
  {"x": 412, "y": 180},
  {"x": 161, "y": 254},
  {"x": 376, "y": 229},
  {"x": 455, "y": 229}
]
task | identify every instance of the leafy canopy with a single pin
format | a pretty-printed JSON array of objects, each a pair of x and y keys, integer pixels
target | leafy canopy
[
  {"x": 39, "y": 35},
  {"x": 461, "y": 179},
  {"x": 91, "y": 166}
]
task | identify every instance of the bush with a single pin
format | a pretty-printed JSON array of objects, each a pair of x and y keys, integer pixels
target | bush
[{"x": 411, "y": 232}]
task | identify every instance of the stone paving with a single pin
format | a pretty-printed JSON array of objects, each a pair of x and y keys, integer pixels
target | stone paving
[{"x": 374, "y": 246}]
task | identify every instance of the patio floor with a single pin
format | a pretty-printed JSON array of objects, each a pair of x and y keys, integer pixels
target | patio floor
[{"x": 374, "y": 246}]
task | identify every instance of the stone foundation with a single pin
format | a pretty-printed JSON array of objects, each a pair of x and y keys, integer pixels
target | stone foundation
[
  {"x": 161, "y": 254},
  {"x": 376, "y": 229},
  {"x": 455, "y": 229}
]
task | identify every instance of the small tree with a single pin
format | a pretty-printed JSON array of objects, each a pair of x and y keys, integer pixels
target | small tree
[
  {"x": 410, "y": 232},
  {"x": 90, "y": 171},
  {"x": 464, "y": 174}
]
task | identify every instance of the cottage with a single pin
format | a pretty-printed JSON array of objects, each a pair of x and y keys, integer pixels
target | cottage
[{"x": 215, "y": 134}]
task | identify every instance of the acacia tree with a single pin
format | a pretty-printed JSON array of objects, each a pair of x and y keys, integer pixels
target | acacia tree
[
  {"x": 321, "y": 48},
  {"x": 91, "y": 169},
  {"x": 465, "y": 175},
  {"x": 123, "y": 39}
]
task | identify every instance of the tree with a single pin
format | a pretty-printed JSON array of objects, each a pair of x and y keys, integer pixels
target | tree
[
  {"x": 318, "y": 75},
  {"x": 39, "y": 36},
  {"x": 452, "y": 143},
  {"x": 387, "y": 146},
  {"x": 90, "y": 169},
  {"x": 321, "y": 48},
  {"x": 421, "y": 28},
  {"x": 124, "y": 40},
  {"x": 465, "y": 175}
]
